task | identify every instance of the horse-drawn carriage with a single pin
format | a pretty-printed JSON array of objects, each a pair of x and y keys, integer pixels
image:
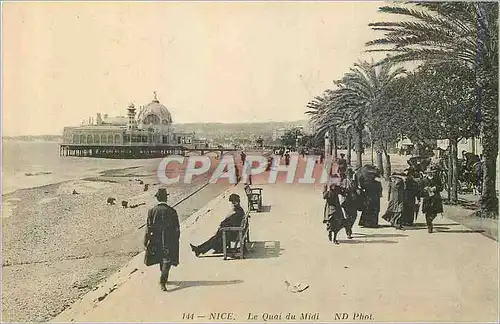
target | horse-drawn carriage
[
  {"x": 469, "y": 170},
  {"x": 469, "y": 173}
]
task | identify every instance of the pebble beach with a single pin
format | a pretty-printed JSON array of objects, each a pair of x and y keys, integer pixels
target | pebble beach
[{"x": 57, "y": 246}]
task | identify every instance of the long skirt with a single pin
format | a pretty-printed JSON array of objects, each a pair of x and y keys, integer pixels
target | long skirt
[
  {"x": 408, "y": 214},
  {"x": 333, "y": 218},
  {"x": 370, "y": 213},
  {"x": 394, "y": 218},
  {"x": 369, "y": 218}
]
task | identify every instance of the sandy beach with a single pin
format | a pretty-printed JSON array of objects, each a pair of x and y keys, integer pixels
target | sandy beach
[{"x": 57, "y": 246}]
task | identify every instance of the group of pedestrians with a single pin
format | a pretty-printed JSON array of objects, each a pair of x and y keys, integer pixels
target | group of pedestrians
[{"x": 348, "y": 192}]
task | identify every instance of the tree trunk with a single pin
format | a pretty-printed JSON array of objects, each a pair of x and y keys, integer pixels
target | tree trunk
[
  {"x": 334, "y": 144},
  {"x": 359, "y": 146},
  {"x": 450, "y": 172},
  {"x": 387, "y": 171},
  {"x": 380, "y": 162},
  {"x": 349, "y": 148},
  {"x": 489, "y": 121},
  {"x": 454, "y": 165},
  {"x": 372, "y": 144},
  {"x": 487, "y": 111},
  {"x": 489, "y": 199}
]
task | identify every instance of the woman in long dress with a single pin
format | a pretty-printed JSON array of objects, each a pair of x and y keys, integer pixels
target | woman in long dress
[
  {"x": 333, "y": 216},
  {"x": 349, "y": 203},
  {"x": 394, "y": 211},
  {"x": 371, "y": 209}
]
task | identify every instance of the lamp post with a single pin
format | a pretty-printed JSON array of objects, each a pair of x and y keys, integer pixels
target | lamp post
[
  {"x": 327, "y": 151},
  {"x": 371, "y": 142},
  {"x": 297, "y": 140}
]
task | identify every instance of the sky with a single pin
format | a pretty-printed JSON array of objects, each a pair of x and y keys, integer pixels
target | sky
[{"x": 207, "y": 61}]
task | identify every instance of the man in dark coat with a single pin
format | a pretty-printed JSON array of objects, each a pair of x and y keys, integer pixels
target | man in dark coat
[
  {"x": 287, "y": 158},
  {"x": 411, "y": 197},
  {"x": 234, "y": 219},
  {"x": 162, "y": 235},
  {"x": 342, "y": 165}
]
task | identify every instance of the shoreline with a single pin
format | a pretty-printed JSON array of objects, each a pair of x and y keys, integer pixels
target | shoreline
[{"x": 95, "y": 174}]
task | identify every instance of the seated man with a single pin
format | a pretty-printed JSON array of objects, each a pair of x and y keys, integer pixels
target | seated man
[{"x": 234, "y": 219}]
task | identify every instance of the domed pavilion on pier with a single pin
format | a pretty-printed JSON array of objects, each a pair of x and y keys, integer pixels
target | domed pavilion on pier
[{"x": 150, "y": 125}]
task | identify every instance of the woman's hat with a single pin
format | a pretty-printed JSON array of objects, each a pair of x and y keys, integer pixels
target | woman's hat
[
  {"x": 234, "y": 198},
  {"x": 161, "y": 193}
]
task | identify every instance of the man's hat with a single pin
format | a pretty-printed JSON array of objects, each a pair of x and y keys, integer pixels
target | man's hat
[
  {"x": 234, "y": 198},
  {"x": 161, "y": 193}
]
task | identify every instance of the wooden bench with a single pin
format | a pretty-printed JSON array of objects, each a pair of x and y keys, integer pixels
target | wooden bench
[
  {"x": 254, "y": 196},
  {"x": 242, "y": 238}
]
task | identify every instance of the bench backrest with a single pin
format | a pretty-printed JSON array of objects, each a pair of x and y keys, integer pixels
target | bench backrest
[{"x": 244, "y": 221}]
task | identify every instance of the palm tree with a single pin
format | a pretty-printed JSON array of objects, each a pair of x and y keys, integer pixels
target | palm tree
[
  {"x": 324, "y": 119},
  {"x": 463, "y": 32},
  {"x": 358, "y": 94},
  {"x": 348, "y": 133},
  {"x": 354, "y": 101}
]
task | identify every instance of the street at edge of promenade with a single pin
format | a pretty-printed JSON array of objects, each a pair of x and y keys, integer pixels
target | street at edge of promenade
[{"x": 379, "y": 275}]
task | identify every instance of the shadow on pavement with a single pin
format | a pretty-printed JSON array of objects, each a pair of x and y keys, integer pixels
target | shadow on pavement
[
  {"x": 361, "y": 235},
  {"x": 256, "y": 250},
  {"x": 200, "y": 283},
  {"x": 265, "y": 209},
  {"x": 425, "y": 225},
  {"x": 366, "y": 242},
  {"x": 415, "y": 228},
  {"x": 263, "y": 250},
  {"x": 461, "y": 231}
]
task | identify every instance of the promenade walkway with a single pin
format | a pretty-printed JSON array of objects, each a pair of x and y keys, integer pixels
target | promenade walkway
[{"x": 380, "y": 275}]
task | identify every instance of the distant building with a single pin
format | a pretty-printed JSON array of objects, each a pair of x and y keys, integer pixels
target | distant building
[
  {"x": 152, "y": 126},
  {"x": 278, "y": 133},
  {"x": 472, "y": 145}
]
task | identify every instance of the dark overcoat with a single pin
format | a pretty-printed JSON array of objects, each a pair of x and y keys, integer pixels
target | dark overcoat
[
  {"x": 162, "y": 233},
  {"x": 431, "y": 201},
  {"x": 233, "y": 220}
]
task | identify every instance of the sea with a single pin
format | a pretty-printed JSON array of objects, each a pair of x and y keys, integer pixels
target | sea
[{"x": 28, "y": 164}]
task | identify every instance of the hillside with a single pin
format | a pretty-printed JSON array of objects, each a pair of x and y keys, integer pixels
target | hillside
[
  {"x": 209, "y": 130},
  {"x": 212, "y": 130}
]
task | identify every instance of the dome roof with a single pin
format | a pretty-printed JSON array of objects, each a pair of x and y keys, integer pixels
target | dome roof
[{"x": 155, "y": 113}]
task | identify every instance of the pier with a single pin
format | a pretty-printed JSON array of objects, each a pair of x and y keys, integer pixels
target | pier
[{"x": 132, "y": 151}]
